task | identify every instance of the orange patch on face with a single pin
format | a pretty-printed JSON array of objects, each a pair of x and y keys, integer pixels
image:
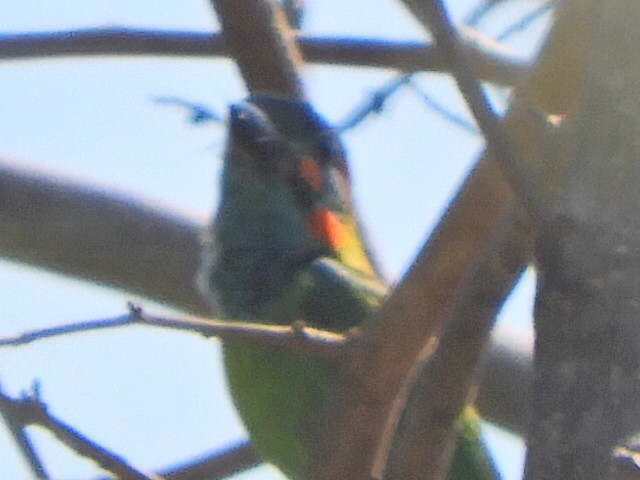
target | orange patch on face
[
  {"x": 327, "y": 227},
  {"x": 311, "y": 173}
]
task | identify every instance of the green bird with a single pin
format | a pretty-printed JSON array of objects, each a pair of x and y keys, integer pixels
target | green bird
[{"x": 286, "y": 246}]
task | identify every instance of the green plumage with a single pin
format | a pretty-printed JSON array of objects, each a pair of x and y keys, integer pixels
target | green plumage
[{"x": 286, "y": 247}]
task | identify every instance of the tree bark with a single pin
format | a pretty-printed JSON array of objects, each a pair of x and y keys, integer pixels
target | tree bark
[{"x": 587, "y": 351}]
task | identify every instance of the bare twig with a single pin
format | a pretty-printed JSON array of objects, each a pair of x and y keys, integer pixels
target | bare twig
[
  {"x": 481, "y": 11},
  {"x": 444, "y": 112},
  {"x": 31, "y": 411},
  {"x": 20, "y": 339},
  {"x": 297, "y": 337},
  {"x": 374, "y": 104},
  {"x": 364, "y": 52},
  {"x": 526, "y": 20},
  {"x": 487, "y": 6},
  {"x": 198, "y": 112}
]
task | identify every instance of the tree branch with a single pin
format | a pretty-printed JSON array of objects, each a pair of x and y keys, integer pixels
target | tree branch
[
  {"x": 587, "y": 354},
  {"x": 443, "y": 388},
  {"x": 30, "y": 411},
  {"x": 498, "y": 142},
  {"x": 416, "y": 310},
  {"x": 262, "y": 45},
  {"x": 361, "y": 52},
  {"x": 218, "y": 465},
  {"x": 441, "y": 392},
  {"x": 23, "y": 442},
  {"x": 298, "y": 336},
  {"x": 116, "y": 241}
]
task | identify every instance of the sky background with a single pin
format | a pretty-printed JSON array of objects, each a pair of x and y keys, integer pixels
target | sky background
[{"x": 158, "y": 397}]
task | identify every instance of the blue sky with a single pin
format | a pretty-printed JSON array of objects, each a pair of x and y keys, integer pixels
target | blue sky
[{"x": 157, "y": 396}]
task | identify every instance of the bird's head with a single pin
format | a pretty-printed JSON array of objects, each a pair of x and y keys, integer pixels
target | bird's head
[{"x": 286, "y": 200}]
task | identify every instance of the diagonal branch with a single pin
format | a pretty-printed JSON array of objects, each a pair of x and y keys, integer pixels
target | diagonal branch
[
  {"x": 443, "y": 388},
  {"x": 496, "y": 137},
  {"x": 262, "y": 44},
  {"x": 416, "y": 310}
]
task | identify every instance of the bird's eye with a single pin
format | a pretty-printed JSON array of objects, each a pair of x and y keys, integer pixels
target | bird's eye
[{"x": 336, "y": 190}]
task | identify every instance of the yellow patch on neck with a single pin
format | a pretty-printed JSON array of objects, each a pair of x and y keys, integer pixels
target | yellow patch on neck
[{"x": 352, "y": 252}]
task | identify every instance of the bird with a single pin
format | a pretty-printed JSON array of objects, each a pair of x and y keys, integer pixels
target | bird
[{"x": 285, "y": 246}]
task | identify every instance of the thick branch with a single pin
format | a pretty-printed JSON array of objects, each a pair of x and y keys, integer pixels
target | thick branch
[
  {"x": 417, "y": 309},
  {"x": 361, "y": 52},
  {"x": 443, "y": 389},
  {"x": 426, "y": 443},
  {"x": 587, "y": 354},
  {"x": 73, "y": 229}
]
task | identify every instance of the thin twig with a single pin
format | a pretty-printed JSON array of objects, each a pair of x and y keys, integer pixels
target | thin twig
[
  {"x": 526, "y": 20},
  {"x": 31, "y": 411},
  {"x": 24, "y": 338},
  {"x": 198, "y": 113},
  {"x": 374, "y": 104},
  {"x": 481, "y": 11},
  {"x": 444, "y": 112},
  {"x": 297, "y": 337}
]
